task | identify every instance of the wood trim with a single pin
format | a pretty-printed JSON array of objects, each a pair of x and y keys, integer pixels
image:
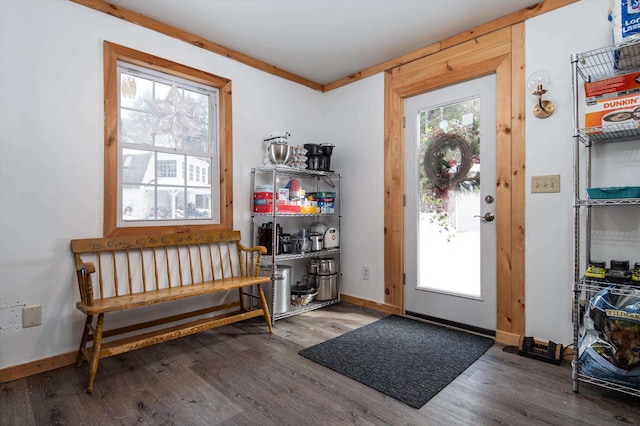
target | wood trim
[
  {"x": 225, "y": 111},
  {"x": 114, "y": 53},
  {"x": 385, "y": 66},
  {"x": 506, "y": 21},
  {"x": 393, "y": 195},
  {"x": 503, "y": 197},
  {"x": 24, "y": 370},
  {"x": 507, "y": 338},
  {"x": 481, "y": 56},
  {"x": 382, "y": 307},
  {"x": 110, "y": 183},
  {"x": 469, "y": 35},
  {"x": 518, "y": 184},
  {"x": 152, "y": 24},
  {"x": 462, "y": 62}
]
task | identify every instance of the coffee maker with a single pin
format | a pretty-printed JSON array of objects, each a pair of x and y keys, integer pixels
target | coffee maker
[
  {"x": 319, "y": 156},
  {"x": 265, "y": 234}
]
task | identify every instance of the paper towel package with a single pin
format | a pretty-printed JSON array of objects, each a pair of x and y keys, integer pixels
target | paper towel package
[
  {"x": 625, "y": 20},
  {"x": 625, "y": 26}
]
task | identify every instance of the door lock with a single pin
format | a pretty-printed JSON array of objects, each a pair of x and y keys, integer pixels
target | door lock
[{"x": 488, "y": 217}]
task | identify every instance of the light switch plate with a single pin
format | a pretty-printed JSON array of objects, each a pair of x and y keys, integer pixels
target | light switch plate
[
  {"x": 545, "y": 184},
  {"x": 31, "y": 316}
]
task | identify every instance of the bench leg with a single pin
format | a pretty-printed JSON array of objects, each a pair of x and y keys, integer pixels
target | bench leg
[
  {"x": 242, "y": 308},
  {"x": 83, "y": 341},
  {"x": 95, "y": 352},
  {"x": 265, "y": 308}
]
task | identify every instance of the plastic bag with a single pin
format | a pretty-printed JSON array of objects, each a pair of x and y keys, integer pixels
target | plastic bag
[{"x": 610, "y": 342}]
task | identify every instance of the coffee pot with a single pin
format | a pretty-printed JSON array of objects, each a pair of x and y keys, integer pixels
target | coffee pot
[{"x": 265, "y": 235}]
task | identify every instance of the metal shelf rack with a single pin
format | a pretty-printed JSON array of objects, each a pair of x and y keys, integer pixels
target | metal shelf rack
[
  {"x": 323, "y": 180},
  {"x": 593, "y": 66}
]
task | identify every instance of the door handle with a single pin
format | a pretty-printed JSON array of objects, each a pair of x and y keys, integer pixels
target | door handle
[{"x": 488, "y": 217}]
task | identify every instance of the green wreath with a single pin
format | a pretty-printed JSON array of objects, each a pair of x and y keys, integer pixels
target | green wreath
[{"x": 435, "y": 165}]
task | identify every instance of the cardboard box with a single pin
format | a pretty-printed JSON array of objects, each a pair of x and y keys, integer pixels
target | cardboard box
[
  {"x": 286, "y": 208},
  {"x": 262, "y": 201},
  {"x": 317, "y": 195},
  {"x": 264, "y": 188},
  {"x": 616, "y": 113},
  {"x": 309, "y": 209},
  {"x": 262, "y": 208},
  {"x": 263, "y": 195},
  {"x": 620, "y": 85},
  {"x": 283, "y": 194}
]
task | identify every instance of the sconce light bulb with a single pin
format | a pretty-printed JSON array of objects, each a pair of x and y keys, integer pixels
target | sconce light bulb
[{"x": 540, "y": 80}]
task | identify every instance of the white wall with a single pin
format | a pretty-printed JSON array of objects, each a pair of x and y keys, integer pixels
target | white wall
[
  {"x": 355, "y": 124},
  {"x": 551, "y": 39},
  {"x": 51, "y": 152}
]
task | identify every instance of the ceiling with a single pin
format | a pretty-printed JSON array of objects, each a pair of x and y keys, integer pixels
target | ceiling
[{"x": 324, "y": 40}]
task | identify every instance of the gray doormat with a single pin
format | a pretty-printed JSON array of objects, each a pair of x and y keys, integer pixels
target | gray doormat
[{"x": 406, "y": 359}]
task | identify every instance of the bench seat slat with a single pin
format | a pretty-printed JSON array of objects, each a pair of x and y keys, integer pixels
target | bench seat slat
[{"x": 123, "y": 302}]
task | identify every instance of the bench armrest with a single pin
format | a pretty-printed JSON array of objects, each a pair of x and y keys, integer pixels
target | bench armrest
[
  {"x": 250, "y": 259},
  {"x": 261, "y": 249}
]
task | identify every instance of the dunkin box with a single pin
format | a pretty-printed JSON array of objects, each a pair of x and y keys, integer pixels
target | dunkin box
[{"x": 613, "y": 113}]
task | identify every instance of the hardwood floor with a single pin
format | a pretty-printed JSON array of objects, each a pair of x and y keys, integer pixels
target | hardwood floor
[{"x": 241, "y": 375}]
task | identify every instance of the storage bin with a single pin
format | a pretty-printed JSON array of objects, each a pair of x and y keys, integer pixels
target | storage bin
[{"x": 614, "y": 192}]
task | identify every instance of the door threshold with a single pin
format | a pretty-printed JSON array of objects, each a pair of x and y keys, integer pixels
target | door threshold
[{"x": 442, "y": 321}]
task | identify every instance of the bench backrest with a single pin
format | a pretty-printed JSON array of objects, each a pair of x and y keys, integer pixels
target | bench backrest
[{"x": 135, "y": 264}]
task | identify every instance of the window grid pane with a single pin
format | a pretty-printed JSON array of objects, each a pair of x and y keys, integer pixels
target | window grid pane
[{"x": 167, "y": 119}]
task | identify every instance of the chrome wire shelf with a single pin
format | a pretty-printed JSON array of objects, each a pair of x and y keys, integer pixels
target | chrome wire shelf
[
  {"x": 621, "y": 289},
  {"x": 608, "y": 61},
  {"x": 612, "y": 133},
  {"x": 609, "y": 385},
  {"x": 298, "y": 309},
  {"x": 609, "y": 202},
  {"x": 293, "y": 171},
  {"x": 286, "y": 214},
  {"x": 308, "y": 255}
]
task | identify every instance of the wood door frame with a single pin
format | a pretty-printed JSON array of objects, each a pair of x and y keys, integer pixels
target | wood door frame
[{"x": 500, "y": 52}]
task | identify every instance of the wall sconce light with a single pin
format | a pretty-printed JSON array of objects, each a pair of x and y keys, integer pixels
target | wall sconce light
[{"x": 539, "y": 83}]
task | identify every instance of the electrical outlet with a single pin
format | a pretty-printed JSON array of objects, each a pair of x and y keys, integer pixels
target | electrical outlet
[
  {"x": 542, "y": 184},
  {"x": 31, "y": 316},
  {"x": 366, "y": 272}
]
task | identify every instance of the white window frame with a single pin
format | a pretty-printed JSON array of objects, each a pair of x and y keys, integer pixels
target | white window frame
[{"x": 188, "y": 184}]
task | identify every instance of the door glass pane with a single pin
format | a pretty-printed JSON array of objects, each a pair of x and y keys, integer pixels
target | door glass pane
[{"x": 449, "y": 173}]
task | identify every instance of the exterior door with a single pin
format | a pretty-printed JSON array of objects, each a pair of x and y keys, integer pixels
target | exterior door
[{"x": 450, "y": 210}]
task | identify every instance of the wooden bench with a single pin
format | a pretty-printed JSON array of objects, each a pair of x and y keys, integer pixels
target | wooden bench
[{"x": 123, "y": 273}]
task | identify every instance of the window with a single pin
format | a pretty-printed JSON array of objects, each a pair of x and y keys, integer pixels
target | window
[
  {"x": 167, "y": 168},
  {"x": 163, "y": 119}
]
